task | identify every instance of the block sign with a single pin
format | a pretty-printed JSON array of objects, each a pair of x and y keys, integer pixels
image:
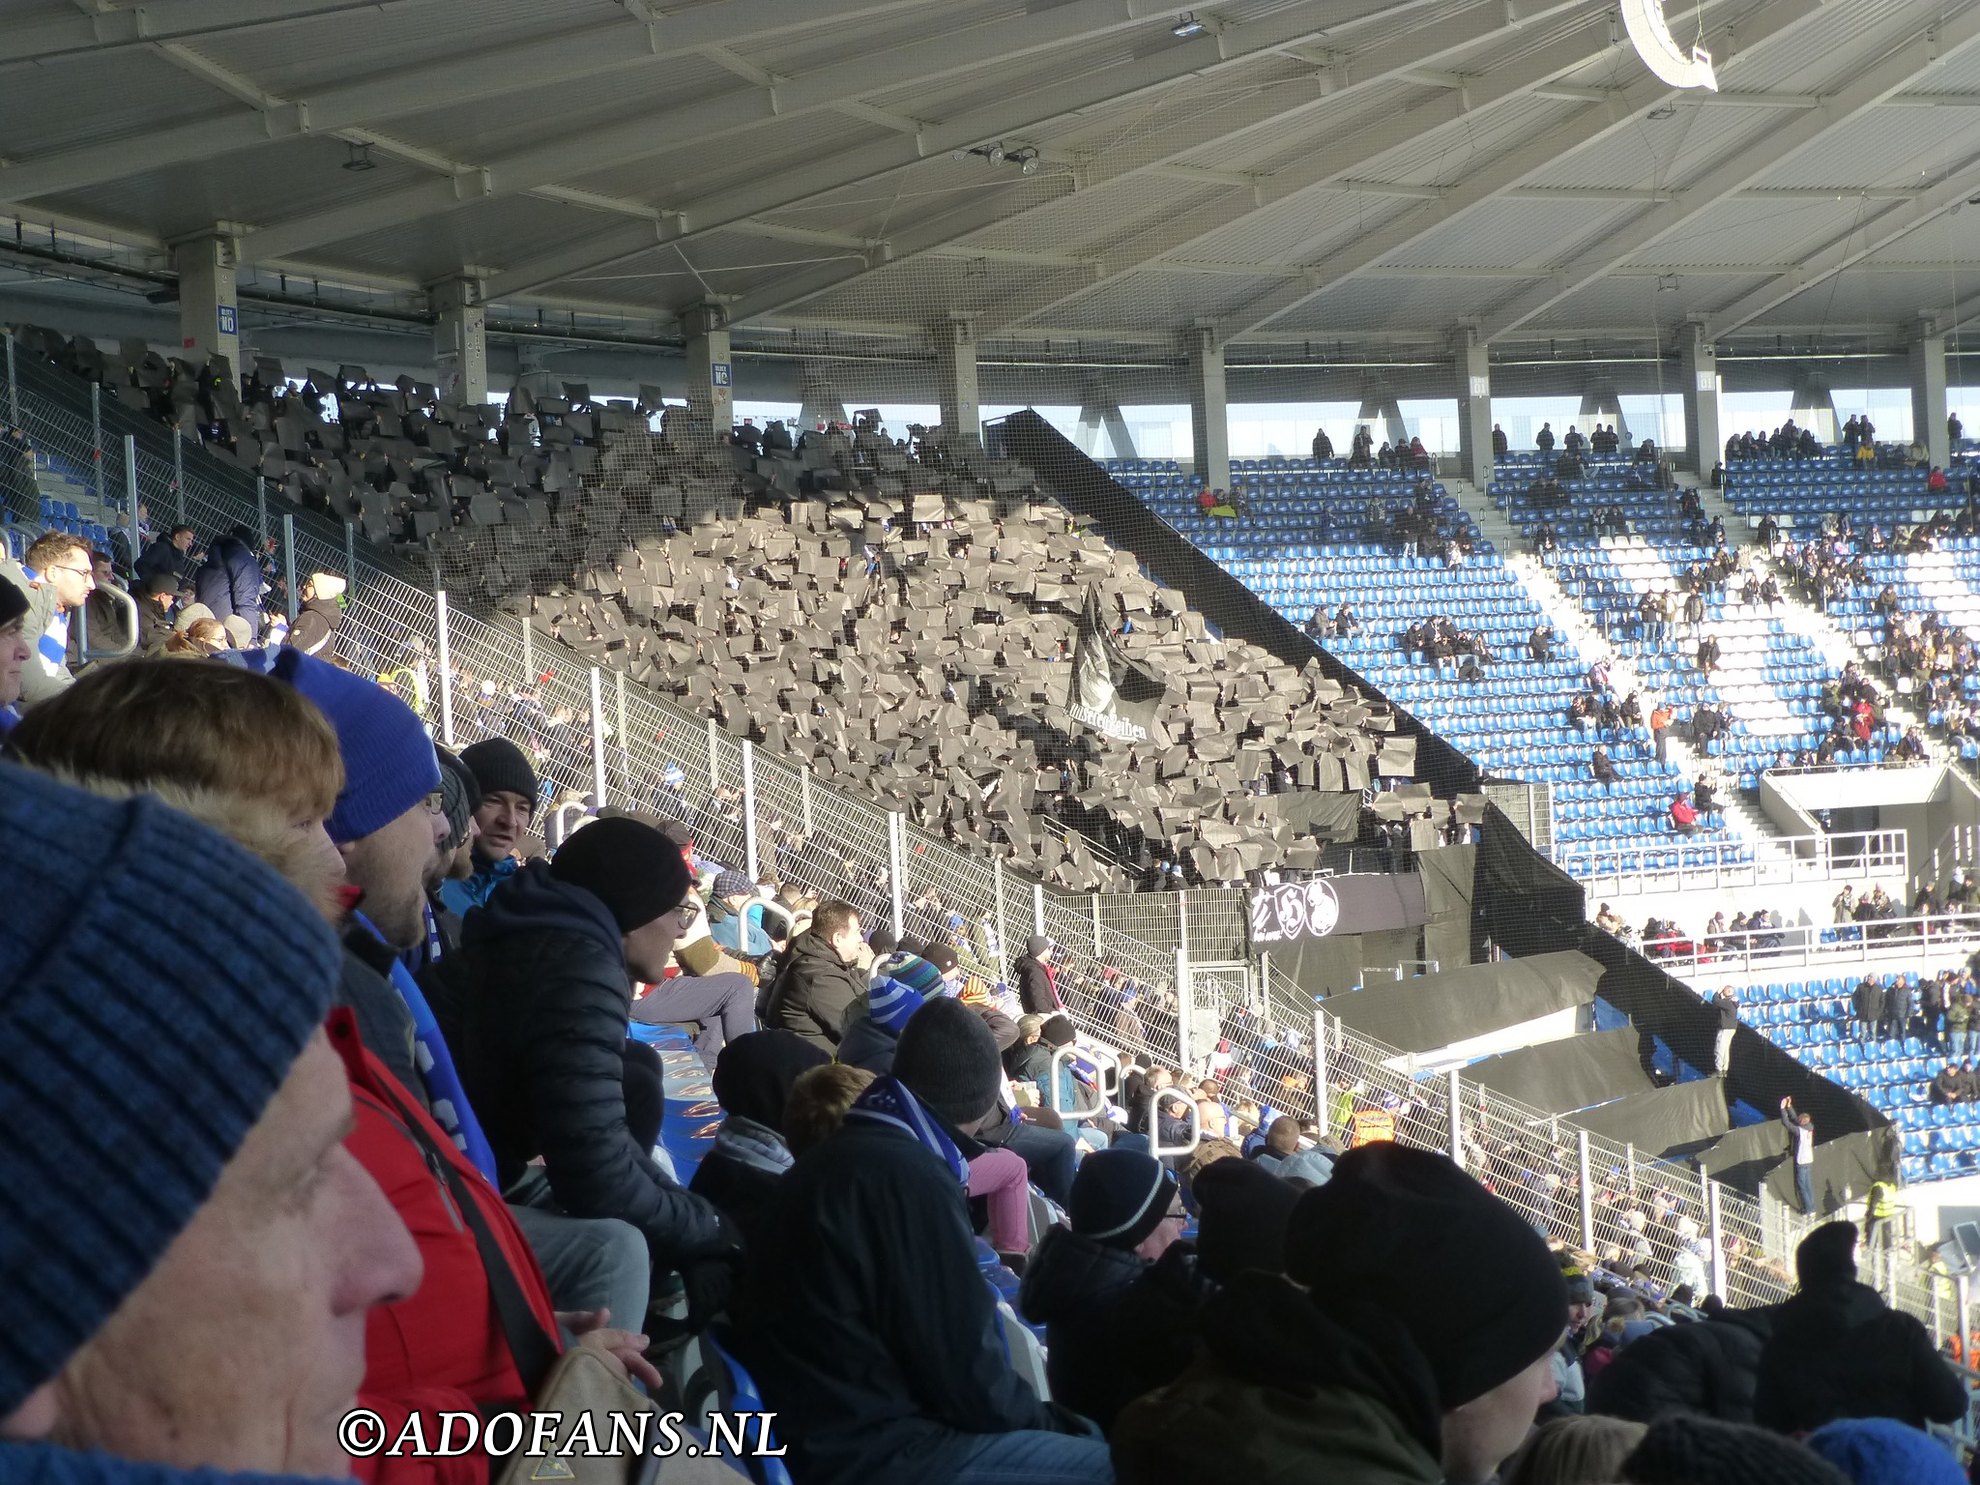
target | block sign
[
  {"x": 718, "y": 373},
  {"x": 229, "y": 320}
]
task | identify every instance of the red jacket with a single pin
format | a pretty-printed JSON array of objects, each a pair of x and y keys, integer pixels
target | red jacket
[
  {"x": 443, "y": 1349},
  {"x": 1682, "y": 813}
]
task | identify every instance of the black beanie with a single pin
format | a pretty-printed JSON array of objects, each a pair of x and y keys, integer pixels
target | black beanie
[
  {"x": 1119, "y": 1196},
  {"x": 630, "y": 867},
  {"x": 1241, "y": 1213},
  {"x": 753, "y": 1074},
  {"x": 13, "y": 602},
  {"x": 460, "y": 794},
  {"x": 1827, "y": 1255},
  {"x": 1683, "y": 1450},
  {"x": 1389, "y": 1215},
  {"x": 1057, "y": 1030},
  {"x": 497, "y": 763},
  {"x": 948, "y": 1059},
  {"x": 882, "y": 941}
]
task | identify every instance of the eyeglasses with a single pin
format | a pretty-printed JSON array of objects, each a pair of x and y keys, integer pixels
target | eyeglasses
[
  {"x": 689, "y": 911},
  {"x": 436, "y": 802}
]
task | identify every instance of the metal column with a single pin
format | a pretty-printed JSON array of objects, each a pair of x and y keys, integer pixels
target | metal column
[
  {"x": 289, "y": 559},
  {"x": 749, "y": 824},
  {"x": 446, "y": 668},
  {"x": 597, "y": 739}
]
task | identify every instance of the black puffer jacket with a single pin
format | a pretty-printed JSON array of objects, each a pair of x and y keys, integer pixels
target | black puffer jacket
[
  {"x": 1704, "y": 1370},
  {"x": 1838, "y": 1351},
  {"x": 815, "y": 993},
  {"x": 534, "y": 1008},
  {"x": 1116, "y": 1326}
]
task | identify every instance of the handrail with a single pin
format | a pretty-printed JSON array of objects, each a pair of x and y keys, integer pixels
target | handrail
[
  {"x": 1801, "y": 945},
  {"x": 1622, "y": 867},
  {"x": 131, "y": 627}
]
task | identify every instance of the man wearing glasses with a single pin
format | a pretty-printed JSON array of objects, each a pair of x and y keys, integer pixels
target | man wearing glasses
[{"x": 56, "y": 575}]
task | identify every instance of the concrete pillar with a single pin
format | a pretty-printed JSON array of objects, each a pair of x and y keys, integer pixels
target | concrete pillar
[
  {"x": 209, "y": 313},
  {"x": 1701, "y": 399},
  {"x": 1379, "y": 405},
  {"x": 1600, "y": 404},
  {"x": 955, "y": 369},
  {"x": 1928, "y": 392},
  {"x": 711, "y": 391},
  {"x": 1209, "y": 411},
  {"x": 1474, "y": 378},
  {"x": 460, "y": 340},
  {"x": 1098, "y": 413},
  {"x": 1814, "y": 407},
  {"x": 818, "y": 400}
]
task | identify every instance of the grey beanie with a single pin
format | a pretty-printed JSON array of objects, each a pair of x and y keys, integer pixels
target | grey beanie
[{"x": 948, "y": 1059}]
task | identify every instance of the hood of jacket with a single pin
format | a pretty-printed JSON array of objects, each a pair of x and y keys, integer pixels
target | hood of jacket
[
  {"x": 530, "y": 900},
  {"x": 1070, "y": 1272},
  {"x": 751, "y": 1144},
  {"x": 867, "y": 1044}
]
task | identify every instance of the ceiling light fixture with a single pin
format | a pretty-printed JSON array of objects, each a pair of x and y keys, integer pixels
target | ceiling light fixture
[
  {"x": 1651, "y": 34},
  {"x": 360, "y": 158},
  {"x": 1188, "y": 26}
]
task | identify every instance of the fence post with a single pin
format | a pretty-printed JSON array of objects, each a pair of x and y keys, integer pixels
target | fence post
[
  {"x": 714, "y": 756},
  {"x": 289, "y": 560},
  {"x": 597, "y": 738},
  {"x": 894, "y": 853},
  {"x": 1963, "y": 1295},
  {"x": 1716, "y": 1211},
  {"x": 1037, "y": 907},
  {"x": 261, "y": 513},
  {"x": 350, "y": 559},
  {"x": 529, "y": 651},
  {"x": 1629, "y": 1164},
  {"x": 749, "y": 814},
  {"x": 1453, "y": 1091},
  {"x": 1185, "y": 1010},
  {"x": 625, "y": 744},
  {"x": 1320, "y": 1100},
  {"x": 446, "y": 667},
  {"x": 179, "y": 471},
  {"x": 96, "y": 438},
  {"x": 1093, "y": 899},
  {"x": 1182, "y": 924},
  {"x": 13, "y": 387},
  {"x": 131, "y": 489},
  {"x": 996, "y": 885},
  {"x": 804, "y": 797},
  {"x": 1587, "y": 1192}
]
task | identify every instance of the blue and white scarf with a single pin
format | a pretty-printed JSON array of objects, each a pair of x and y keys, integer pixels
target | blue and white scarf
[
  {"x": 53, "y": 645},
  {"x": 887, "y": 1101}
]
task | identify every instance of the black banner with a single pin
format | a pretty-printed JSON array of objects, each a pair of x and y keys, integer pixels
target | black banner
[
  {"x": 1329, "y": 905},
  {"x": 1110, "y": 693}
]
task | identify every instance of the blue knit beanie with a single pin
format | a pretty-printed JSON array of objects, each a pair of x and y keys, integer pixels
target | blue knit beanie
[
  {"x": 140, "y": 1047},
  {"x": 890, "y": 1003},
  {"x": 1882, "y": 1451},
  {"x": 389, "y": 763}
]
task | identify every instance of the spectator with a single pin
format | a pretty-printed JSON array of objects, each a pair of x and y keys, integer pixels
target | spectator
[
  {"x": 735, "y": 917},
  {"x": 902, "y": 984},
  {"x": 320, "y": 616},
  {"x": 15, "y": 652},
  {"x": 57, "y": 575},
  {"x": 1801, "y": 1145},
  {"x": 1116, "y": 1312},
  {"x": 1684, "y": 817},
  {"x": 1704, "y": 1369},
  {"x": 818, "y": 1103},
  {"x": 1602, "y": 770},
  {"x": 507, "y": 809},
  {"x": 1499, "y": 444},
  {"x": 1726, "y": 1006},
  {"x": 230, "y": 580},
  {"x": 1038, "y": 988},
  {"x": 1838, "y": 1352},
  {"x": 1355, "y": 1359},
  {"x": 536, "y": 1003},
  {"x": 165, "y": 557},
  {"x": 1574, "y": 1451},
  {"x": 155, "y": 597},
  {"x": 127, "y": 1280},
  {"x": 870, "y": 1257},
  {"x": 1878, "y": 1451},
  {"x": 1283, "y": 1157},
  {"x": 1946, "y": 1086},
  {"x": 823, "y": 977},
  {"x": 752, "y": 1081}
]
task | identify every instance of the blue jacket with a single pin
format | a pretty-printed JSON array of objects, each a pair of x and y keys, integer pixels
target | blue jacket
[
  {"x": 229, "y": 580},
  {"x": 740, "y": 933},
  {"x": 472, "y": 891}
]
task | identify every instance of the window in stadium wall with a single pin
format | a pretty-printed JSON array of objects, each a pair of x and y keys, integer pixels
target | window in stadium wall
[
  {"x": 1161, "y": 431},
  {"x": 1965, "y": 401},
  {"x": 1522, "y": 417},
  {"x": 1434, "y": 420},
  {"x": 1889, "y": 409},
  {"x": 1658, "y": 416},
  {"x": 1266, "y": 430},
  {"x": 895, "y": 417},
  {"x": 1754, "y": 412},
  {"x": 763, "y": 414}
]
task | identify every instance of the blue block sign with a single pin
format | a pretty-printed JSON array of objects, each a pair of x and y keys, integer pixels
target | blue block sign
[
  {"x": 718, "y": 373},
  {"x": 229, "y": 320}
]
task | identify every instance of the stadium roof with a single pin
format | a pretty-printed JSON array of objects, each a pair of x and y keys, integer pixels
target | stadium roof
[{"x": 1339, "y": 171}]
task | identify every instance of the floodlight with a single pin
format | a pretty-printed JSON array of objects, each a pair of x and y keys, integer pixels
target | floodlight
[
  {"x": 360, "y": 158},
  {"x": 1188, "y": 26},
  {"x": 1651, "y": 33}
]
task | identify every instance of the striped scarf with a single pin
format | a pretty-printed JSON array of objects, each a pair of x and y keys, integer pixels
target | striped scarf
[
  {"x": 887, "y": 1101},
  {"x": 53, "y": 645}
]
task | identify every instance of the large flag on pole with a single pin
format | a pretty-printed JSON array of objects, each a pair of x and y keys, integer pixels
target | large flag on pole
[{"x": 1110, "y": 693}]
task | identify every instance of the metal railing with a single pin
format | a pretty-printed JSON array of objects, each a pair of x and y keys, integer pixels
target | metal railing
[
  {"x": 1619, "y": 870},
  {"x": 1763, "y": 951}
]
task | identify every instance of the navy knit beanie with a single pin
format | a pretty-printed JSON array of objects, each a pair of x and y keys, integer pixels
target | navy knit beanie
[
  {"x": 13, "y": 602},
  {"x": 1392, "y": 1213},
  {"x": 140, "y": 1047},
  {"x": 389, "y": 763},
  {"x": 627, "y": 865},
  {"x": 948, "y": 1059},
  {"x": 497, "y": 763},
  {"x": 1683, "y": 1450},
  {"x": 1119, "y": 1197}
]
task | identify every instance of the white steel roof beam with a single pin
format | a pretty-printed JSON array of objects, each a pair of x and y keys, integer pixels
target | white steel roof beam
[
  {"x": 1486, "y": 178},
  {"x": 612, "y": 145},
  {"x": 1460, "y": 30},
  {"x": 468, "y": 77},
  {"x": 104, "y": 28},
  {"x": 1749, "y": 162}
]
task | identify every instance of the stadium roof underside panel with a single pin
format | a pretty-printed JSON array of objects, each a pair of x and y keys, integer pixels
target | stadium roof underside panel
[{"x": 1352, "y": 171}]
